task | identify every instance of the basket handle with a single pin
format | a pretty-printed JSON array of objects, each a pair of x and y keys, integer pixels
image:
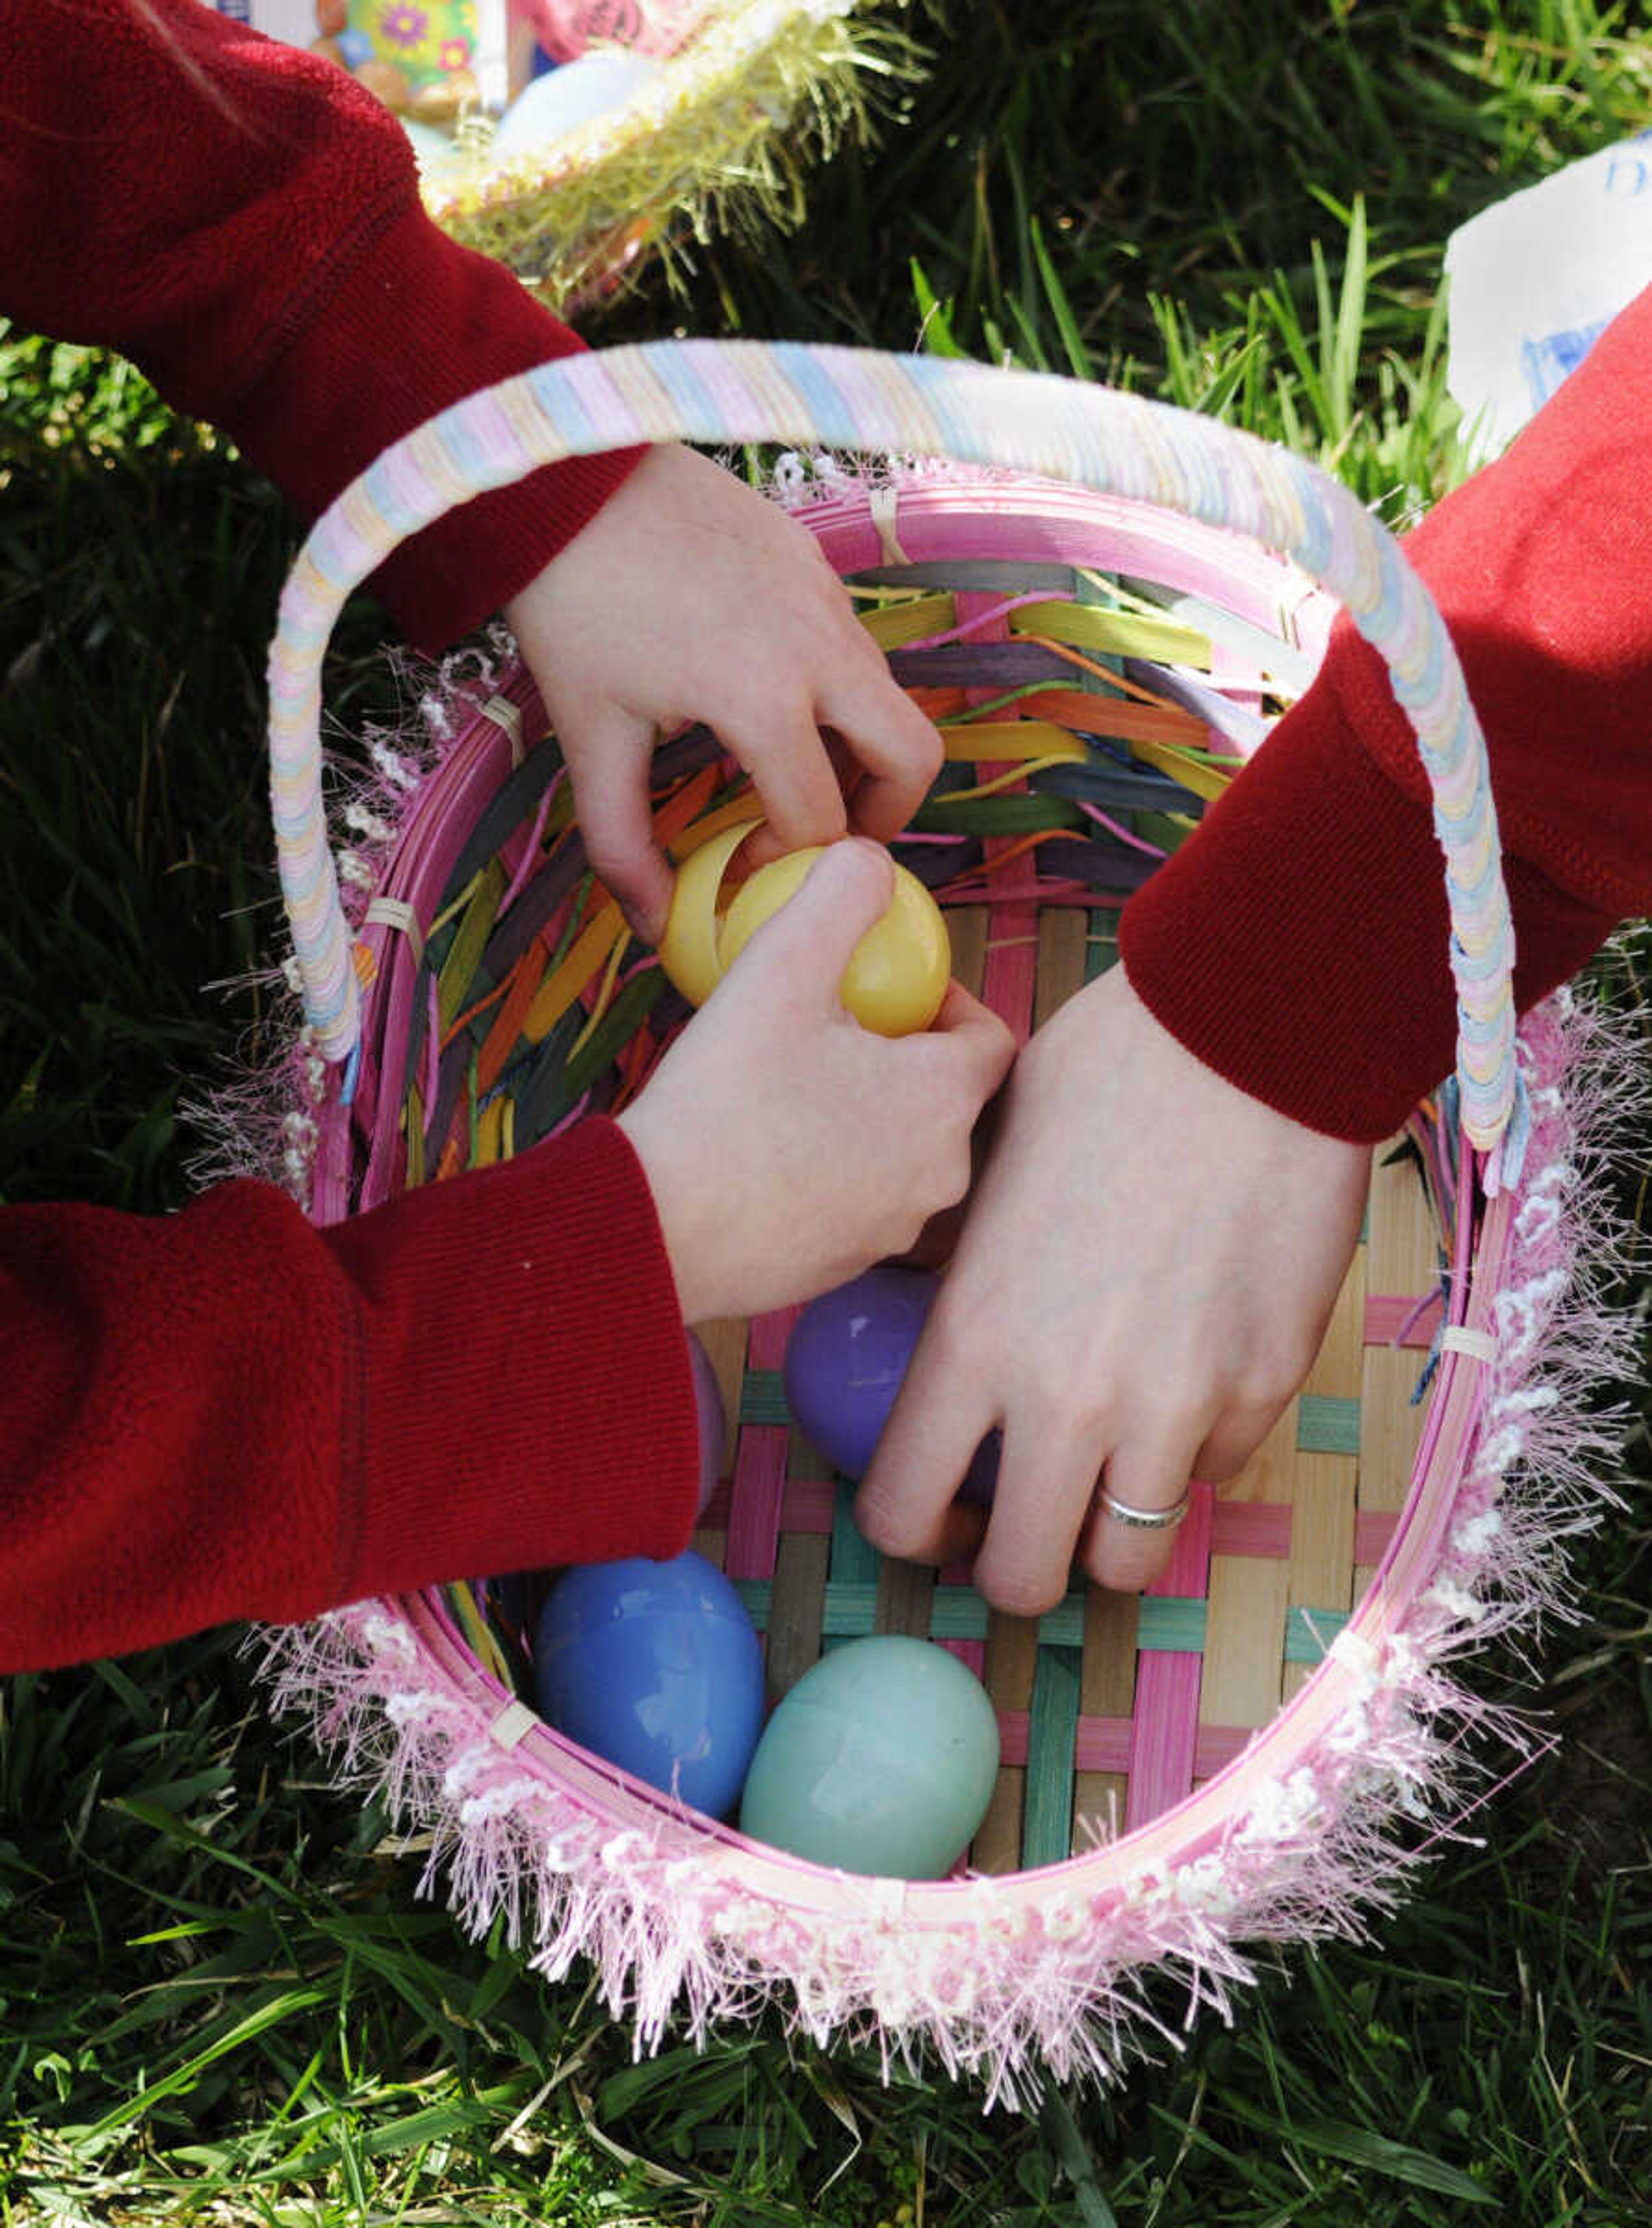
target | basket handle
[{"x": 723, "y": 392}]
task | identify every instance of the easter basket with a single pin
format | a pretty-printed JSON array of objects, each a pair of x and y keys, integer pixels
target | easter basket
[
  {"x": 705, "y": 117},
  {"x": 1103, "y": 601}
]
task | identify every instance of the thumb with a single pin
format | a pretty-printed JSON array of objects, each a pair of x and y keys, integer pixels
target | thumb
[{"x": 807, "y": 944}]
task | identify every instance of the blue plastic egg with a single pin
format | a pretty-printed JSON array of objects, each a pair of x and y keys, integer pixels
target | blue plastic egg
[
  {"x": 882, "y": 1759},
  {"x": 549, "y": 107},
  {"x": 845, "y": 1359},
  {"x": 655, "y": 1667}
]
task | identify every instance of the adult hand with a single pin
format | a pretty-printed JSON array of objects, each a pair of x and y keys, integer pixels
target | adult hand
[
  {"x": 788, "y": 1147},
  {"x": 1143, "y": 1280},
  {"x": 689, "y": 596}
]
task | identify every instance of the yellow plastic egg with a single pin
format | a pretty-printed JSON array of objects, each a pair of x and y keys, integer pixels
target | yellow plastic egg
[
  {"x": 897, "y": 975},
  {"x": 689, "y": 948},
  {"x": 898, "y": 972}
]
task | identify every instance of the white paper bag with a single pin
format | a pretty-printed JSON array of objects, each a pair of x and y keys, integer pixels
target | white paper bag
[{"x": 1534, "y": 279}]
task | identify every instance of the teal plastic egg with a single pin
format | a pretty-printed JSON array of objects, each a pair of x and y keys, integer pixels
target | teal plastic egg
[{"x": 882, "y": 1759}]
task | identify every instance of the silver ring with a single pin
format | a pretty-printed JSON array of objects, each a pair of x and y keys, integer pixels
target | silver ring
[{"x": 1144, "y": 1519}]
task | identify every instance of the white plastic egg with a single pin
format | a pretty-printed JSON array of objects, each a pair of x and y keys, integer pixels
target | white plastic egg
[{"x": 552, "y": 107}]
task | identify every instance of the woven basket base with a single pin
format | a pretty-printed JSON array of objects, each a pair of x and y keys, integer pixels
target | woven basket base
[{"x": 1111, "y": 1707}]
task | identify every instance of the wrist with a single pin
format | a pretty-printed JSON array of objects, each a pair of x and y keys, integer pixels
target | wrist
[{"x": 669, "y": 1173}]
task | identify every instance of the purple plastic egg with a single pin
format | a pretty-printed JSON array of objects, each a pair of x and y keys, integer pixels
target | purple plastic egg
[
  {"x": 845, "y": 1359},
  {"x": 713, "y": 1426}
]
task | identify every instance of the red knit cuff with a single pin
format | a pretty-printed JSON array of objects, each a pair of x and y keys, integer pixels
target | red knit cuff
[
  {"x": 1299, "y": 943},
  {"x": 521, "y": 1393},
  {"x": 413, "y": 324}
]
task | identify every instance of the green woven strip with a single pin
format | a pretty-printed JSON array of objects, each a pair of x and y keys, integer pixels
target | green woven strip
[
  {"x": 958, "y": 1612},
  {"x": 959, "y": 723},
  {"x": 1165, "y": 1625},
  {"x": 1089, "y": 628},
  {"x": 1052, "y": 1730},
  {"x": 763, "y": 1399},
  {"x": 1063, "y": 1626},
  {"x": 848, "y": 1610},
  {"x": 1100, "y": 944},
  {"x": 1095, "y": 595},
  {"x": 1327, "y": 1423},
  {"x": 851, "y": 1607},
  {"x": 1309, "y": 1632},
  {"x": 1014, "y": 814},
  {"x": 535, "y": 1076},
  {"x": 578, "y": 916},
  {"x": 1171, "y": 1624},
  {"x": 415, "y": 1136},
  {"x": 508, "y": 807},
  {"x": 454, "y": 985},
  {"x": 854, "y": 1561},
  {"x": 1168, "y": 830},
  {"x": 555, "y": 1090},
  {"x": 615, "y": 1030}
]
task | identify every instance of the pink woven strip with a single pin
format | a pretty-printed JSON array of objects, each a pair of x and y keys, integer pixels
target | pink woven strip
[
  {"x": 1259, "y": 1528},
  {"x": 480, "y": 760},
  {"x": 1263, "y": 1528},
  {"x": 1108, "y": 533},
  {"x": 1165, "y": 1729},
  {"x": 1163, "y": 1735},
  {"x": 1217, "y": 1747},
  {"x": 806, "y": 1503},
  {"x": 1252, "y": 1527},
  {"x": 979, "y": 620},
  {"x": 760, "y": 1483},
  {"x": 1373, "y": 1531},
  {"x": 1103, "y": 1744},
  {"x": 1187, "y": 1571},
  {"x": 330, "y": 1188},
  {"x": 530, "y": 860},
  {"x": 1452, "y": 1413},
  {"x": 1393, "y": 1320}
]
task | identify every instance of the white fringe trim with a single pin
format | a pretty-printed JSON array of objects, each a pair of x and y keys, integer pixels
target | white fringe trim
[{"x": 1074, "y": 1981}]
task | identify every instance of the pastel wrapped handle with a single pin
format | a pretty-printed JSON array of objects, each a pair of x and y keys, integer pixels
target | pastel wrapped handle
[{"x": 724, "y": 392}]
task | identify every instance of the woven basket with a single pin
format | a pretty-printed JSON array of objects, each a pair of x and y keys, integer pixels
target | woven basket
[
  {"x": 1231, "y": 1757},
  {"x": 746, "y": 93}
]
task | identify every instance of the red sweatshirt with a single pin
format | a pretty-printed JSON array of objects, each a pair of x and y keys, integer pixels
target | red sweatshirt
[
  {"x": 227, "y": 1413},
  {"x": 244, "y": 223}
]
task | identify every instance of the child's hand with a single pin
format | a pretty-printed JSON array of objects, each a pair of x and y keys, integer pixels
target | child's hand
[
  {"x": 786, "y": 1147},
  {"x": 691, "y": 596},
  {"x": 1143, "y": 1280}
]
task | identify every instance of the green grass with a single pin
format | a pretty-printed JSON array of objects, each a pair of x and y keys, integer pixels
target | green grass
[{"x": 223, "y": 1999}]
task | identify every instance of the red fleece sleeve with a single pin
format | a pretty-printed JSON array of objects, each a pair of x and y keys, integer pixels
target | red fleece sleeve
[
  {"x": 227, "y": 1413},
  {"x": 1297, "y": 943},
  {"x": 242, "y": 220}
]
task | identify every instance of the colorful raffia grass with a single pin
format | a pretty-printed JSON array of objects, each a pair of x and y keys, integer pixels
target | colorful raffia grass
[
  {"x": 722, "y": 134},
  {"x": 1242, "y": 1755}
]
